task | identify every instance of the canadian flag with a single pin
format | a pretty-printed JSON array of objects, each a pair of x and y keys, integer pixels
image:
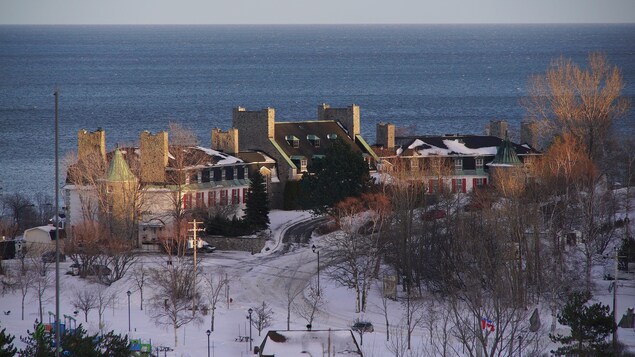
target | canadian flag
[{"x": 487, "y": 324}]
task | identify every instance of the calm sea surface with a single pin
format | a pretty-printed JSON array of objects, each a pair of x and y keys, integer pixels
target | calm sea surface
[{"x": 126, "y": 79}]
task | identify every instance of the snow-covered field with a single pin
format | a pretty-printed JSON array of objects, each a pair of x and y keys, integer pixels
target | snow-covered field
[{"x": 253, "y": 279}]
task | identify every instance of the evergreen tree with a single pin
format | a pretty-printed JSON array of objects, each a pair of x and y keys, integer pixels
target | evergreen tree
[
  {"x": 257, "y": 202},
  {"x": 39, "y": 343},
  {"x": 6, "y": 344},
  {"x": 590, "y": 327},
  {"x": 341, "y": 173}
]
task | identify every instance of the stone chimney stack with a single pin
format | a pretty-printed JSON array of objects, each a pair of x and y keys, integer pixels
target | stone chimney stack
[
  {"x": 498, "y": 128},
  {"x": 349, "y": 117},
  {"x": 253, "y": 125},
  {"x": 91, "y": 145},
  {"x": 226, "y": 141},
  {"x": 385, "y": 135},
  {"x": 529, "y": 133},
  {"x": 154, "y": 157}
]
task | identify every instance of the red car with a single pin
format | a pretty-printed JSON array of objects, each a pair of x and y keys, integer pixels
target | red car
[{"x": 433, "y": 214}]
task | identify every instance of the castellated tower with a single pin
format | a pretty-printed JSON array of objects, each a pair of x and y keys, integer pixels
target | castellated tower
[
  {"x": 255, "y": 127},
  {"x": 91, "y": 145},
  {"x": 498, "y": 128},
  {"x": 349, "y": 117},
  {"x": 154, "y": 157},
  {"x": 226, "y": 141},
  {"x": 529, "y": 133},
  {"x": 385, "y": 135}
]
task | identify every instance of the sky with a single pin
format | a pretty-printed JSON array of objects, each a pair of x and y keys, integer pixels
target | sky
[{"x": 314, "y": 12}]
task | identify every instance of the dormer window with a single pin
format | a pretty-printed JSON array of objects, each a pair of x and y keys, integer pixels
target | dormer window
[
  {"x": 292, "y": 141},
  {"x": 479, "y": 163},
  {"x": 331, "y": 136},
  {"x": 314, "y": 140},
  {"x": 458, "y": 164}
]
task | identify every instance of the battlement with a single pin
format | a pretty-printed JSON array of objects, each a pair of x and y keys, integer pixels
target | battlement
[
  {"x": 226, "y": 141},
  {"x": 91, "y": 145},
  {"x": 349, "y": 117}
]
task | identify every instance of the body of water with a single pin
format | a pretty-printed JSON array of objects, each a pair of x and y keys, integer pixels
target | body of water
[{"x": 432, "y": 78}]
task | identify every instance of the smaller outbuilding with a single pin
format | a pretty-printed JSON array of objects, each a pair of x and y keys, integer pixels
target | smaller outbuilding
[{"x": 310, "y": 343}]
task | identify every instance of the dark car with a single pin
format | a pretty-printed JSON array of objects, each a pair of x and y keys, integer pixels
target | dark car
[
  {"x": 363, "y": 326},
  {"x": 433, "y": 214}
]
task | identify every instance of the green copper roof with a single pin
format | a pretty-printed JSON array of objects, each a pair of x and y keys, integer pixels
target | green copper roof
[
  {"x": 119, "y": 171},
  {"x": 506, "y": 155}
]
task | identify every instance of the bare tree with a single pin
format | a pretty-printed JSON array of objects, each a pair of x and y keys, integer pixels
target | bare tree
[
  {"x": 355, "y": 251},
  {"x": 308, "y": 309},
  {"x": 104, "y": 297},
  {"x": 171, "y": 304},
  {"x": 140, "y": 276},
  {"x": 84, "y": 300},
  {"x": 263, "y": 317},
  {"x": 216, "y": 281},
  {"x": 42, "y": 282},
  {"x": 293, "y": 287},
  {"x": 22, "y": 212},
  {"x": 583, "y": 102},
  {"x": 117, "y": 255},
  {"x": 23, "y": 282}
]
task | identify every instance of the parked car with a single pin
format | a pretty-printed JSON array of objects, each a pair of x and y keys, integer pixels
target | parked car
[
  {"x": 363, "y": 326},
  {"x": 433, "y": 214}
]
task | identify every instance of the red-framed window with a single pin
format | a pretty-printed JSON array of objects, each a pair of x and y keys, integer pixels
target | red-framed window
[
  {"x": 244, "y": 195},
  {"x": 211, "y": 198},
  {"x": 200, "y": 199},
  {"x": 223, "y": 197},
  {"x": 235, "y": 196},
  {"x": 187, "y": 200}
]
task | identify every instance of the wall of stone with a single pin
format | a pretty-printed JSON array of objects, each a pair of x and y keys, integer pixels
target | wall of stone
[
  {"x": 226, "y": 141},
  {"x": 154, "y": 156},
  {"x": 529, "y": 133},
  {"x": 385, "y": 135},
  {"x": 498, "y": 128},
  {"x": 349, "y": 117},
  {"x": 91, "y": 144},
  {"x": 255, "y": 127}
]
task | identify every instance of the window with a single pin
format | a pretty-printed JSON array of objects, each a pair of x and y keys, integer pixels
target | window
[
  {"x": 244, "y": 195},
  {"x": 458, "y": 185},
  {"x": 314, "y": 140},
  {"x": 187, "y": 201},
  {"x": 200, "y": 199},
  {"x": 331, "y": 136},
  {"x": 235, "y": 196},
  {"x": 414, "y": 163},
  {"x": 223, "y": 197},
  {"x": 303, "y": 165},
  {"x": 292, "y": 140},
  {"x": 458, "y": 164},
  {"x": 211, "y": 198},
  {"x": 481, "y": 181},
  {"x": 479, "y": 163}
]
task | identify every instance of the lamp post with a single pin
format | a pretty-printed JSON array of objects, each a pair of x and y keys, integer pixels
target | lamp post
[
  {"x": 208, "y": 332},
  {"x": 250, "y": 311},
  {"x": 315, "y": 250},
  {"x": 128, "y": 293},
  {"x": 406, "y": 283},
  {"x": 58, "y": 336}
]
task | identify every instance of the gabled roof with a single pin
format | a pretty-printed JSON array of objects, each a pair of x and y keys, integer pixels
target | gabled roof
[
  {"x": 307, "y": 132},
  {"x": 118, "y": 170},
  {"x": 451, "y": 145}
]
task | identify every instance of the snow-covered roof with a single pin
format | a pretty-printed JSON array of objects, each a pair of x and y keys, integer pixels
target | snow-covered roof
[{"x": 309, "y": 343}]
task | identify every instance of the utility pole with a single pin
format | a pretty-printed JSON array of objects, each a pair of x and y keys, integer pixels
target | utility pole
[
  {"x": 195, "y": 229},
  {"x": 58, "y": 337}
]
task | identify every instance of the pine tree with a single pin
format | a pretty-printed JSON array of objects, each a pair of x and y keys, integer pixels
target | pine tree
[
  {"x": 6, "y": 344},
  {"x": 590, "y": 327},
  {"x": 341, "y": 173},
  {"x": 257, "y": 202}
]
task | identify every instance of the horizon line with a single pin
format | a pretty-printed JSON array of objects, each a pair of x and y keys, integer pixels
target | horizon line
[{"x": 322, "y": 24}]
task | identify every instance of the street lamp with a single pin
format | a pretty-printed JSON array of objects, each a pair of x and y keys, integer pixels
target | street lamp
[
  {"x": 314, "y": 249},
  {"x": 208, "y": 332},
  {"x": 250, "y": 311},
  {"x": 128, "y": 293}
]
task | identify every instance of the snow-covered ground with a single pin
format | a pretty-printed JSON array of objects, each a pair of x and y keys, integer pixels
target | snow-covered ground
[{"x": 253, "y": 279}]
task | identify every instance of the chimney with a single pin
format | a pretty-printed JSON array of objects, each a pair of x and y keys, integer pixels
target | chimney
[
  {"x": 385, "y": 135},
  {"x": 91, "y": 145},
  {"x": 154, "y": 157},
  {"x": 225, "y": 141},
  {"x": 349, "y": 117}
]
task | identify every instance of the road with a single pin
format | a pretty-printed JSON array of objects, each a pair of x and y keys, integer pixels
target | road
[{"x": 300, "y": 233}]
